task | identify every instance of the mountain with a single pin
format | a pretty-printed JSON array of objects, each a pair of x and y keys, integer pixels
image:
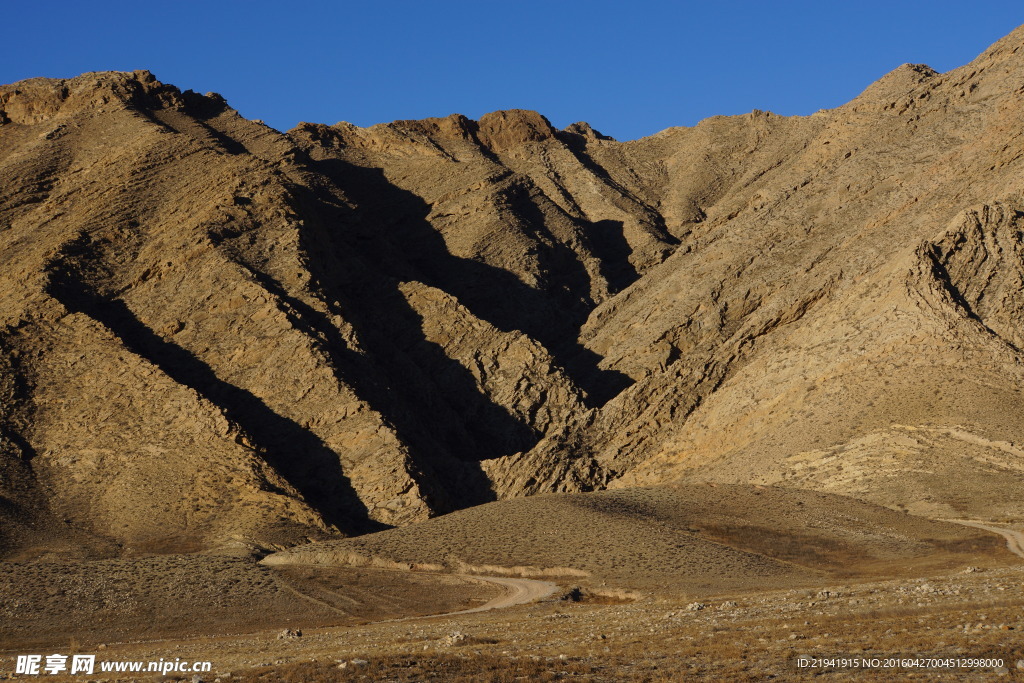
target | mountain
[{"x": 215, "y": 333}]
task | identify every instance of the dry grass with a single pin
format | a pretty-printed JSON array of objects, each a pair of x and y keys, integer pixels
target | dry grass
[
  {"x": 46, "y": 603},
  {"x": 599, "y": 597},
  {"x": 432, "y": 667},
  {"x": 697, "y": 537},
  {"x": 750, "y": 635},
  {"x": 757, "y": 639}
]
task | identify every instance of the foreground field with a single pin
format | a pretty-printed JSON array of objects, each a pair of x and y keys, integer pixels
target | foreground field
[
  {"x": 743, "y": 635},
  {"x": 85, "y": 604},
  {"x": 722, "y": 581},
  {"x": 738, "y": 636}
]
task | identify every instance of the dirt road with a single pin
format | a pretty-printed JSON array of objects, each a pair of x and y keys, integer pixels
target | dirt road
[
  {"x": 520, "y": 592},
  {"x": 1014, "y": 539}
]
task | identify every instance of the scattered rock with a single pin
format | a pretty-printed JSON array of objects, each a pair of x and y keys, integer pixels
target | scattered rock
[{"x": 453, "y": 639}]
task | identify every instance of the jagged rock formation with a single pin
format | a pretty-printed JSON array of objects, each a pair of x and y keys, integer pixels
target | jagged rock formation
[{"x": 212, "y": 331}]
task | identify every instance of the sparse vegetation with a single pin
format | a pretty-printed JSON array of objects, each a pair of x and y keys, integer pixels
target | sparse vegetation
[{"x": 721, "y": 385}]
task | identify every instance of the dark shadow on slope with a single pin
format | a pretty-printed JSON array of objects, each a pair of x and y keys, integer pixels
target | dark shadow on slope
[
  {"x": 20, "y": 442},
  {"x": 201, "y": 131},
  {"x": 939, "y": 272},
  {"x": 608, "y": 243},
  {"x": 13, "y": 516},
  {"x": 228, "y": 143},
  {"x": 436, "y": 419},
  {"x": 17, "y": 414},
  {"x": 577, "y": 144},
  {"x": 297, "y": 454},
  {"x": 198, "y": 110},
  {"x": 390, "y": 229},
  {"x": 431, "y": 400}
]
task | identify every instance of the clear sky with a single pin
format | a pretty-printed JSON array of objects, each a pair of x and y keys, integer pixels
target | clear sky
[{"x": 629, "y": 68}]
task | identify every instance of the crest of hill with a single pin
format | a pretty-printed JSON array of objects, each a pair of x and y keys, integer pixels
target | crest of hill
[{"x": 38, "y": 100}]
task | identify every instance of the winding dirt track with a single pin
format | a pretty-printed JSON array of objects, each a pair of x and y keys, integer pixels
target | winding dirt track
[
  {"x": 520, "y": 592},
  {"x": 1014, "y": 539}
]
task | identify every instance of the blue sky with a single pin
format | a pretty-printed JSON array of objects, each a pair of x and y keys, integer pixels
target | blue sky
[{"x": 629, "y": 68}]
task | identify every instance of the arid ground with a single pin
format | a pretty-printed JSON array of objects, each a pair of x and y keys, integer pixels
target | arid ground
[
  {"x": 488, "y": 400},
  {"x": 636, "y": 584}
]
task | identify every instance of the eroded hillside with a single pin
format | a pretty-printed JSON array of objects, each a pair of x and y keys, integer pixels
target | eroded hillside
[{"x": 212, "y": 332}]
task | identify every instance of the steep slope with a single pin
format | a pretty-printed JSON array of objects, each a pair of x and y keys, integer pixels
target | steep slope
[
  {"x": 212, "y": 332},
  {"x": 259, "y": 343},
  {"x": 811, "y": 306}
]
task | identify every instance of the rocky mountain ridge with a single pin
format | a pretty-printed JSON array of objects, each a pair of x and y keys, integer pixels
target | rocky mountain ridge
[{"x": 213, "y": 333}]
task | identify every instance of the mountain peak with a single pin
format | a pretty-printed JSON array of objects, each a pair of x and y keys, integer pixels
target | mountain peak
[
  {"x": 586, "y": 130},
  {"x": 502, "y": 130},
  {"x": 36, "y": 100}
]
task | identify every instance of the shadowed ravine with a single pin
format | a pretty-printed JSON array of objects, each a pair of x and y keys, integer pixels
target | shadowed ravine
[{"x": 304, "y": 460}]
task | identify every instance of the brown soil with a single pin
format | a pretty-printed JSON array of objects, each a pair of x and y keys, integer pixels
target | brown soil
[
  {"x": 705, "y": 537},
  {"x": 736, "y": 636},
  {"x": 57, "y": 604}
]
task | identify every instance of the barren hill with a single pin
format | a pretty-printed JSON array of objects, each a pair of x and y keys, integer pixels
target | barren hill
[
  {"x": 702, "y": 538},
  {"x": 213, "y": 332}
]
